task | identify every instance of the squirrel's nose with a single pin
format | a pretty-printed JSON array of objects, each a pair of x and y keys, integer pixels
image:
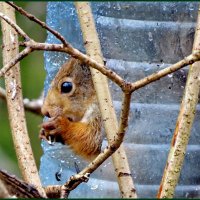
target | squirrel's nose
[{"x": 45, "y": 112}]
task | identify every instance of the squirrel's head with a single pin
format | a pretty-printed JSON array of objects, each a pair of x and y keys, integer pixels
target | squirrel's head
[{"x": 71, "y": 92}]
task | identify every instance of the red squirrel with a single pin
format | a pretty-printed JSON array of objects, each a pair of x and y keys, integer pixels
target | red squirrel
[{"x": 72, "y": 106}]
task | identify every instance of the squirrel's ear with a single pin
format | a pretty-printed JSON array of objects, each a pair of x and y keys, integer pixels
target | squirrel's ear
[{"x": 65, "y": 70}]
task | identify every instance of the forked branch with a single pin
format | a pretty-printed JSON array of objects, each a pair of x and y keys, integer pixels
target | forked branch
[
  {"x": 42, "y": 24},
  {"x": 124, "y": 85},
  {"x": 15, "y": 60},
  {"x": 108, "y": 151},
  {"x": 15, "y": 26}
]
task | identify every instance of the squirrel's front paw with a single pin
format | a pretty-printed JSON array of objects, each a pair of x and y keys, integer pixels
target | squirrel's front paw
[{"x": 53, "y": 129}]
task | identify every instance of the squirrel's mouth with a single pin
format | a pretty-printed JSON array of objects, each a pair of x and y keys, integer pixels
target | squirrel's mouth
[
  {"x": 46, "y": 114},
  {"x": 72, "y": 117}
]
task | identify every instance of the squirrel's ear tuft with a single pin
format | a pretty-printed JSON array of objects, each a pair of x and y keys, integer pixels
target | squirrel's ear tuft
[{"x": 65, "y": 70}]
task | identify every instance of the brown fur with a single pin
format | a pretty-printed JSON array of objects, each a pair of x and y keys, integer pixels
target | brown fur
[{"x": 84, "y": 137}]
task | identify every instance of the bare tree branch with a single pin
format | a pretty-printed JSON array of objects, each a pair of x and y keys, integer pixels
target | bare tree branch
[
  {"x": 15, "y": 101},
  {"x": 14, "y": 61},
  {"x": 183, "y": 126},
  {"x": 93, "y": 49},
  {"x": 195, "y": 56},
  {"x": 79, "y": 55},
  {"x": 107, "y": 152},
  {"x": 17, "y": 187},
  {"x": 126, "y": 86},
  {"x": 15, "y": 26},
  {"x": 35, "y": 19},
  {"x": 33, "y": 106}
]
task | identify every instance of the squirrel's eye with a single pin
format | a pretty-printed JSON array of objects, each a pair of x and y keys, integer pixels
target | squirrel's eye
[{"x": 66, "y": 87}]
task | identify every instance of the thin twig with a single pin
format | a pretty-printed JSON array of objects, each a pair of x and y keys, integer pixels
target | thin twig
[
  {"x": 15, "y": 26},
  {"x": 43, "y": 24},
  {"x": 15, "y": 101},
  {"x": 79, "y": 55},
  {"x": 63, "y": 48},
  {"x": 183, "y": 126},
  {"x": 195, "y": 56},
  {"x": 33, "y": 106},
  {"x": 126, "y": 86},
  {"x": 15, "y": 60},
  {"x": 71, "y": 184},
  {"x": 93, "y": 49}
]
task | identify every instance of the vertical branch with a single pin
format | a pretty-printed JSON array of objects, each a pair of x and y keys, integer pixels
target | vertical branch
[
  {"x": 93, "y": 49},
  {"x": 15, "y": 103},
  {"x": 82, "y": 176},
  {"x": 183, "y": 126}
]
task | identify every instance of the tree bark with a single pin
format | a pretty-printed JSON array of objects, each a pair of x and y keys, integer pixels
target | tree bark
[
  {"x": 15, "y": 103},
  {"x": 93, "y": 49},
  {"x": 183, "y": 126}
]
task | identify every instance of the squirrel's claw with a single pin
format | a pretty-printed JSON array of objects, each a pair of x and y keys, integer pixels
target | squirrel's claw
[
  {"x": 50, "y": 139},
  {"x": 42, "y": 134},
  {"x": 51, "y": 130},
  {"x": 50, "y": 124}
]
